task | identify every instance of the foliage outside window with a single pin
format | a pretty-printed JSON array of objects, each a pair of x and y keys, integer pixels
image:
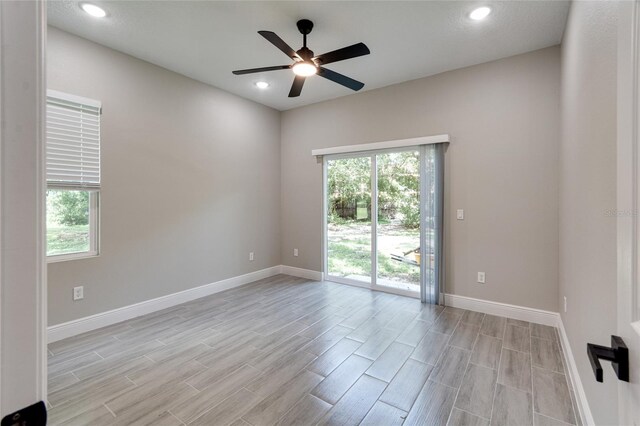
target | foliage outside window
[
  {"x": 70, "y": 214},
  {"x": 398, "y": 184}
]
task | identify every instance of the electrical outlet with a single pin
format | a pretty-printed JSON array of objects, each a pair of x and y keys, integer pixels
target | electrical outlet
[
  {"x": 251, "y": 256},
  {"x": 565, "y": 303},
  {"x": 78, "y": 293},
  {"x": 295, "y": 252},
  {"x": 481, "y": 277}
]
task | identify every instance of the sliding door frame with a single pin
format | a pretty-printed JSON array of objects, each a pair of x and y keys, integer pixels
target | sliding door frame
[
  {"x": 425, "y": 256},
  {"x": 374, "y": 220}
]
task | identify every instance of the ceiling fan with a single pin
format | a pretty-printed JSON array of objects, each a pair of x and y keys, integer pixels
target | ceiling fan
[{"x": 305, "y": 64}]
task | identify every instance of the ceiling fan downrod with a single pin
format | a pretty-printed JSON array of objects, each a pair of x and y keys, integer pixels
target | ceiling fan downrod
[{"x": 304, "y": 26}]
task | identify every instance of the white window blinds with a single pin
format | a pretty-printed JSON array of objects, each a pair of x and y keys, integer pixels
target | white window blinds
[{"x": 73, "y": 141}]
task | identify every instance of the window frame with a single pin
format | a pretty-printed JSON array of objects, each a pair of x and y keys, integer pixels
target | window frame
[{"x": 94, "y": 194}]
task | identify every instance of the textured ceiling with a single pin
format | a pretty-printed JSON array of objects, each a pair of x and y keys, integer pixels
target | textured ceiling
[{"x": 206, "y": 40}]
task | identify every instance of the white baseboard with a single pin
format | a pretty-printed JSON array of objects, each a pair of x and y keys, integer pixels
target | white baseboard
[
  {"x": 93, "y": 322},
  {"x": 301, "y": 273},
  {"x": 574, "y": 376},
  {"x": 537, "y": 316}
]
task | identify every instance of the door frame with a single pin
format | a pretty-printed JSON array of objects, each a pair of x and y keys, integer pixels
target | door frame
[
  {"x": 629, "y": 152},
  {"x": 628, "y": 196},
  {"x": 42, "y": 331},
  {"x": 30, "y": 15},
  {"x": 374, "y": 219}
]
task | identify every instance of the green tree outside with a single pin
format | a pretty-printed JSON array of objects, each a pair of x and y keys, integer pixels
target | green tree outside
[
  {"x": 398, "y": 188},
  {"x": 67, "y": 221},
  {"x": 71, "y": 207}
]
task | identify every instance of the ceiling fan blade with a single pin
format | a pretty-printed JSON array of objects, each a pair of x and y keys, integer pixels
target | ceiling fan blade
[
  {"x": 252, "y": 70},
  {"x": 296, "y": 87},
  {"x": 353, "y": 51},
  {"x": 340, "y": 79},
  {"x": 279, "y": 43}
]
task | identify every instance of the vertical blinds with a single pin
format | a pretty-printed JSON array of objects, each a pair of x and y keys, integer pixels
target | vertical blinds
[{"x": 73, "y": 141}]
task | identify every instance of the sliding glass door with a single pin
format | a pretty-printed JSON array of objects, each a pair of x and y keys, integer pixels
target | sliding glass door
[
  {"x": 348, "y": 224},
  {"x": 383, "y": 220},
  {"x": 398, "y": 220}
]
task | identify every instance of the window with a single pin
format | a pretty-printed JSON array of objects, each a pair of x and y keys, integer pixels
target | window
[{"x": 73, "y": 176}]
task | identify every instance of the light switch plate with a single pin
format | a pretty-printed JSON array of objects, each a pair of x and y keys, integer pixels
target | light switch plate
[
  {"x": 460, "y": 214},
  {"x": 481, "y": 277}
]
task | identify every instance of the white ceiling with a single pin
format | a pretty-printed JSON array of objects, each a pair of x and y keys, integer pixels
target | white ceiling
[{"x": 206, "y": 40}]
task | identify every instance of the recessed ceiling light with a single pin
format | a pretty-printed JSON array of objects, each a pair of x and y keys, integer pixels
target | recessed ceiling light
[
  {"x": 480, "y": 13},
  {"x": 93, "y": 10},
  {"x": 262, "y": 84}
]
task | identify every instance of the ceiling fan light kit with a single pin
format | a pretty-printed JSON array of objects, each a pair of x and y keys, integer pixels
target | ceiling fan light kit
[
  {"x": 305, "y": 69},
  {"x": 305, "y": 64}
]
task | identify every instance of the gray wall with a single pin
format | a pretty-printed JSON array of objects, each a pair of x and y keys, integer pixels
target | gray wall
[
  {"x": 190, "y": 181},
  {"x": 587, "y": 190},
  {"x": 501, "y": 167}
]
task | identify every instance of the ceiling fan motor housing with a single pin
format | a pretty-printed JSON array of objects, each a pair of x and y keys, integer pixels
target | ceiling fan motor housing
[{"x": 306, "y": 54}]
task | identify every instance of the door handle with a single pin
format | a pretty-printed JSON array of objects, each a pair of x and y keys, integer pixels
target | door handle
[{"x": 618, "y": 354}]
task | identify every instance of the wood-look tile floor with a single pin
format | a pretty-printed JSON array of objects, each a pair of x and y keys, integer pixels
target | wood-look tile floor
[{"x": 289, "y": 351}]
